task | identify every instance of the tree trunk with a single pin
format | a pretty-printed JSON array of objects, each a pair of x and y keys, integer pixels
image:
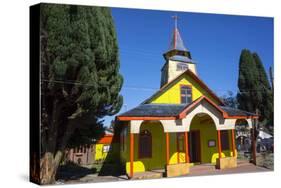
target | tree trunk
[
  {"x": 50, "y": 161},
  {"x": 48, "y": 167}
]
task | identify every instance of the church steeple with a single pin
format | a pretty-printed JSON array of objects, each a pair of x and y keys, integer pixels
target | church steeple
[
  {"x": 176, "y": 42},
  {"x": 178, "y": 57}
]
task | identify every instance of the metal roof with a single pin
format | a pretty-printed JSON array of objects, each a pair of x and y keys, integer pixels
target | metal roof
[
  {"x": 172, "y": 110},
  {"x": 236, "y": 112},
  {"x": 177, "y": 42},
  {"x": 155, "y": 110},
  {"x": 181, "y": 58}
]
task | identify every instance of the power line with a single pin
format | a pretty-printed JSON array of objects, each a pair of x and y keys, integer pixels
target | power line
[{"x": 138, "y": 88}]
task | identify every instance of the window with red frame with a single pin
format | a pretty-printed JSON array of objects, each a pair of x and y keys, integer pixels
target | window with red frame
[{"x": 186, "y": 94}]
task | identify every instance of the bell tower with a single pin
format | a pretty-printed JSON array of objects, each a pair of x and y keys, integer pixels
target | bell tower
[{"x": 177, "y": 58}]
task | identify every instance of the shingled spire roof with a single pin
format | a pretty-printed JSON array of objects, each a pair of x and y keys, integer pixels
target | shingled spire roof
[
  {"x": 176, "y": 42},
  {"x": 177, "y": 49}
]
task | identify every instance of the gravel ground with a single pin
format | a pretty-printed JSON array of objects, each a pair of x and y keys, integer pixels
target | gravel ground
[{"x": 266, "y": 160}]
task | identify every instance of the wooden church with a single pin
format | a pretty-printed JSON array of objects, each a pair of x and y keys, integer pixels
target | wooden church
[{"x": 183, "y": 124}]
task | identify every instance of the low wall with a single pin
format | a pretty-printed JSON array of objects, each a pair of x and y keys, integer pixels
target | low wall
[
  {"x": 226, "y": 162},
  {"x": 177, "y": 169}
]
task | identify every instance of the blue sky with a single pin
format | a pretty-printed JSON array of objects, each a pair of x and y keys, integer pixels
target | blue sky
[{"x": 215, "y": 42}]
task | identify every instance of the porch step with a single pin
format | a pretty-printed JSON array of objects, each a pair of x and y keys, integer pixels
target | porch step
[
  {"x": 148, "y": 175},
  {"x": 198, "y": 168}
]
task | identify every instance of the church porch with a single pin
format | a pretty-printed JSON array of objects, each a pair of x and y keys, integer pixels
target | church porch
[{"x": 197, "y": 137}]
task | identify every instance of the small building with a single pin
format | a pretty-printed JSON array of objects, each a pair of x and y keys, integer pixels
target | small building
[
  {"x": 97, "y": 152},
  {"x": 81, "y": 155},
  {"x": 107, "y": 147},
  {"x": 184, "y": 123}
]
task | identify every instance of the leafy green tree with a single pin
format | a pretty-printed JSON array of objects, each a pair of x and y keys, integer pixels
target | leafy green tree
[
  {"x": 255, "y": 93},
  {"x": 80, "y": 79}
]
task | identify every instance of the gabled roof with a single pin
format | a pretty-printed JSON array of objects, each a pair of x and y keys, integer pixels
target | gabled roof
[
  {"x": 155, "y": 110},
  {"x": 193, "y": 76},
  {"x": 178, "y": 111}
]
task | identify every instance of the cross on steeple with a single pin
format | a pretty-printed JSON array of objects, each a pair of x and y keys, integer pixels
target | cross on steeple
[
  {"x": 176, "y": 42},
  {"x": 175, "y": 17}
]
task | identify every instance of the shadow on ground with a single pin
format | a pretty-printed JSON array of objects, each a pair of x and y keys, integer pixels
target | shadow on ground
[
  {"x": 72, "y": 171},
  {"x": 111, "y": 169},
  {"x": 112, "y": 165}
]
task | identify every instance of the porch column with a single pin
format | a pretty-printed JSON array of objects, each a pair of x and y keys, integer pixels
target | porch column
[
  {"x": 186, "y": 147},
  {"x": 233, "y": 146},
  {"x": 219, "y": 143},
  {"x": 131, "y": 155},
  {"x": 167, "y": 148}
]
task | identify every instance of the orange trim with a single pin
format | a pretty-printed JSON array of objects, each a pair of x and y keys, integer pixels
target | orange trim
[
  {"x": 167, "y": 148},
  {"x": 225, "y": 115},
  {"x": 106, "y": 139},
  {"x": 178, "y": 150},
  {"x": 204, "y": 86},
  {"x": 219, "y": 143},
  {"x": 126, "y": 118},
  {"x": 201, "y": 83},
  {"x": 233, "y": 142},
  {"x": 131, "y": 155},
  {"x": 183, "y": 113},
  {"x": 215, "y": 105},
  {"x": 241, "y": 117},
  {"x": 186, "y": 147}
]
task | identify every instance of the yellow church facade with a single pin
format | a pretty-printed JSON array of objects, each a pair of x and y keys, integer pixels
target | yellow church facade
[{"x": 183, "y": 124}]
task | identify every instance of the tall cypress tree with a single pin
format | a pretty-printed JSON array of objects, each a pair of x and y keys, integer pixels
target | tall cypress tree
[
  {"x": 248, "y": 97},
  {"x": 254, "y": 89},
  {"x": 266, "y": 105},
  {"x": 80, "y": 77}
]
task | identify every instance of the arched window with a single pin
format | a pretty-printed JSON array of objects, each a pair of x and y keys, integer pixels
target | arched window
[
  {"x": 145, "y": 144},
  {"x": 186, "y": 94}
]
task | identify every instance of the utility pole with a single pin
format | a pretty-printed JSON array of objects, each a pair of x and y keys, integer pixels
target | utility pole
[
  {"x": 271, "y": 78},
  {"x": 253, "y": 135}
]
